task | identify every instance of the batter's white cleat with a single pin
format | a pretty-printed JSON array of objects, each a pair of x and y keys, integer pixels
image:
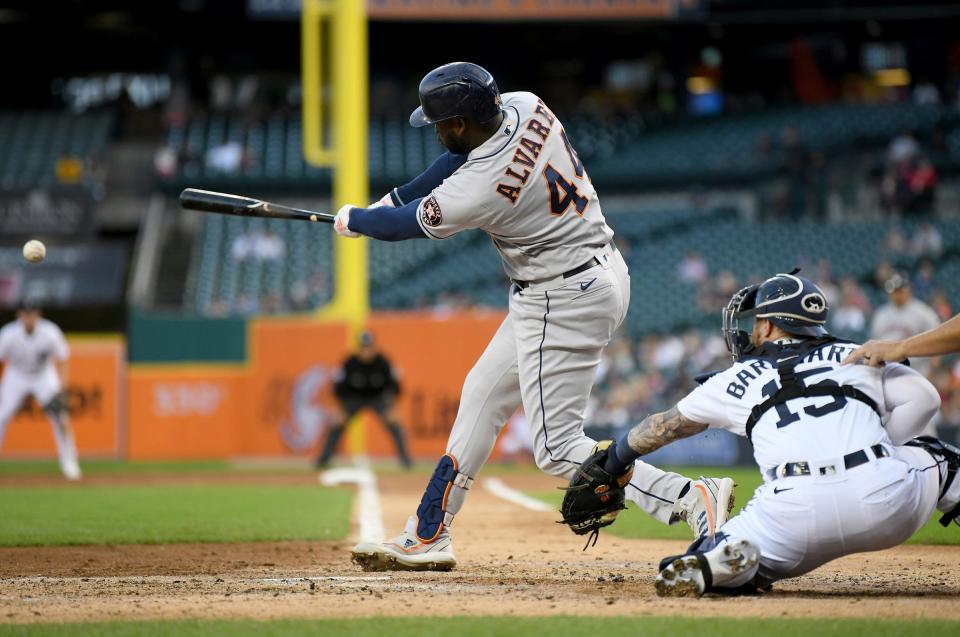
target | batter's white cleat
[
  {"x": 688, "y": 575},
  {"x": 706, "y": 505},
  {"x": 406, "y": 552}
]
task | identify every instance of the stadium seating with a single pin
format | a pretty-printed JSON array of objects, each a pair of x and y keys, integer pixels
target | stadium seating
[
  {"x": 619, "y": 152},
  {"x": 220, "y": 284},
  {"x": 33, "y": 142},
  {"x": 411, "y": 274}
]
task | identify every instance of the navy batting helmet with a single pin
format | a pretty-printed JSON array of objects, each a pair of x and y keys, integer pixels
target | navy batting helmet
[
  {"x": 793, "y": 303},
  {"x": 458, "y": 89}
]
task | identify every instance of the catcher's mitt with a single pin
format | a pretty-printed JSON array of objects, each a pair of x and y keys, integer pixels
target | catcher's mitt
[{"x": 594, "y": 497}]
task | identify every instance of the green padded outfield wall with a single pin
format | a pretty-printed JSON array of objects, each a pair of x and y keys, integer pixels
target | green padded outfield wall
[{"x": 175, "y": 338}]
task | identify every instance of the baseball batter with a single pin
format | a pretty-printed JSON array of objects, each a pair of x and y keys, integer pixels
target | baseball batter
[
  {"x": 834, "y": 443},
  {"x": 34, "y": 353},
  {"x": 513, "y": 173}
]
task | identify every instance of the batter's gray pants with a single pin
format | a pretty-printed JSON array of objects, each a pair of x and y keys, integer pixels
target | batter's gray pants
[{"x": 545, "y": 354}]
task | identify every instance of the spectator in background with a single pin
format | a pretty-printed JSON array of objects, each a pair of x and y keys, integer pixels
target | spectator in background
[
  {"x": 226, "y": 158},
  {"x": 165, "y": 162},
  {"x": 269, "y": 247},
  {"x": 926, "y": 241},
  {"x": 919, "y": 186},
  {"x": 903, "y": 317},
  {"x": 248, "y": 305},
  {"x": 850, "y": 317},
  {"x": 299, "y": 295},
  {"x": 925, "y": 92},
  {"x": 824, "y": 278},
  {"x": 903, "y": 147},
  {"x": 243, "y": 246},
  {"x": 882, "y": 273},
  {"x": 895, "y": 243},
  {"x": 941, "y": 305},
  {"x": 924, "y": 281},
  {"x": 693, "y": 269}
]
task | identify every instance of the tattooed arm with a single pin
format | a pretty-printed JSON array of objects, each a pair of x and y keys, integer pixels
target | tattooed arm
[{"x": 657, "y": 430}]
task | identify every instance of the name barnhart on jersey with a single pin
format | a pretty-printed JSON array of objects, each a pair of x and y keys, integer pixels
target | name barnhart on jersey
[
  {"x": 833, "y": 353},
  {"x": 526, "y": 156}
]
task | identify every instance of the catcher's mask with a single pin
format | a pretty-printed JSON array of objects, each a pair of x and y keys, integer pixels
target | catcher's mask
[{"x": 793, "y": 303}]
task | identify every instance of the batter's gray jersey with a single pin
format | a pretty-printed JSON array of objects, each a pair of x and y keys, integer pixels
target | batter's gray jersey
[{"x": 527, "y": 189}]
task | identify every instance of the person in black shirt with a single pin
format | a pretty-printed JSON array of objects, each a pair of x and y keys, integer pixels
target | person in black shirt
[{"x": 366, "y": 379}]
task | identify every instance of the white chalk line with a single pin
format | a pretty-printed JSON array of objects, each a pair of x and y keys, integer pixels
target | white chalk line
[
  {"x": 192, "y": 579},
  {"x": 498, "y": 487},
  {"x": 368, "y": 496}
]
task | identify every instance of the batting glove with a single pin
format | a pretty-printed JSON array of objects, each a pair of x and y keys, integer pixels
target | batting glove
[
  {"x": 385, "y": 202},
  {"x": 341, "y": 223}
]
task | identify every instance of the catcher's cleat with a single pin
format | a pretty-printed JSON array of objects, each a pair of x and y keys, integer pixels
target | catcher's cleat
[
  {"x": 697, "y": 573},
  {"x": 706, "y": 505},
  {"x": 406, "y": 552}
]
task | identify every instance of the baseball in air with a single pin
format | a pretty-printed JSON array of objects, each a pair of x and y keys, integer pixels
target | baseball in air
[
  {"x": 34, "y": 251},
  {"x": 313, "y": 217}
]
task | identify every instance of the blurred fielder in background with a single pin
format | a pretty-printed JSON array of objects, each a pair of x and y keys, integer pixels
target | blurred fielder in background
[
  {"x": 34, "y": 353},
  {"x": 367, "y": 379}
]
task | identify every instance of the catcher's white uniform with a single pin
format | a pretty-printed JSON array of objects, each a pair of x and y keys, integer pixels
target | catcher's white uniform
[
  {"x": 862, "y": 490},
  {"x": 29, "y": 371}
]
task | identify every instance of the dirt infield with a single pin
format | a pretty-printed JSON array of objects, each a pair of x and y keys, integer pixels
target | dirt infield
[{"x": 512, "y": 562}]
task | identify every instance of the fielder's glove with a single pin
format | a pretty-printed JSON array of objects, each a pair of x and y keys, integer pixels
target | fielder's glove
[
  {"x": 594, "y": 497},
  {"x": 58, "y": 404}
]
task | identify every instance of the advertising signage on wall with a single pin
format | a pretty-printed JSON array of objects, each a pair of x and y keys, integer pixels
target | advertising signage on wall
[
  {"x": 86, "y": 274},
  {"x": 45, "y": 212}
]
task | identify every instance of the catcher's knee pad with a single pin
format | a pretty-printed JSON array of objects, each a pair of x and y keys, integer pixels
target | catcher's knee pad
[
  {"x": 432, "y": 514},
  {"x": 949, "y": 501}
]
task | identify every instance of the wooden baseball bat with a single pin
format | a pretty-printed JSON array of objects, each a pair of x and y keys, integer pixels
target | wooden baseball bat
[{"x": 227, "y": 204}]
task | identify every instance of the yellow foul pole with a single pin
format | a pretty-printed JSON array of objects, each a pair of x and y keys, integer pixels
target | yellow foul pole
[{"x": 343, "y": 146}]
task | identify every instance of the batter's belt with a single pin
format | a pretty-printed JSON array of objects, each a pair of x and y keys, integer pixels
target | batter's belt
[{"x": 583, "y": 267}]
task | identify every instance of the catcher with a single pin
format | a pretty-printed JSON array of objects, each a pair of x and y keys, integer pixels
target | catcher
[{"x": 842, "y": 471}]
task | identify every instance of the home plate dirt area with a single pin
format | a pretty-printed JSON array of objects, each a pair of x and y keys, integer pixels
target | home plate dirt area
[{"x": 512, "y": 561}]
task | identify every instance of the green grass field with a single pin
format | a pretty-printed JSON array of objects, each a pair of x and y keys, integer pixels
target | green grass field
[
  {"x": 496, "y": 626},
  {"x": 633, "y": 523},
  {"x": 78, "y": 514},
  {"x": 122, "y": 467}
]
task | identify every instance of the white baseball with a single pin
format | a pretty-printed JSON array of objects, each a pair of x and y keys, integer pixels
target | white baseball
[{"x": 34, "y": 251}]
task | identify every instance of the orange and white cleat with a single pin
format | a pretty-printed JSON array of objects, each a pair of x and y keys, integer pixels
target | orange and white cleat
[
  {"x": 406, "y": 552},
  {"x": 706, "y": 505}
]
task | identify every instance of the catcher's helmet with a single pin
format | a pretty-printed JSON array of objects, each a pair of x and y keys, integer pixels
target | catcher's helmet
[
  {"x": 458, "y": 89},
  {"x": 793, "y": 303}
]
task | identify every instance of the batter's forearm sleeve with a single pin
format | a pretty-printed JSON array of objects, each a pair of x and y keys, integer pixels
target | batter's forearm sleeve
[
  {"x": 387, "y": 224},
  {"x": 424, "y": 183}
]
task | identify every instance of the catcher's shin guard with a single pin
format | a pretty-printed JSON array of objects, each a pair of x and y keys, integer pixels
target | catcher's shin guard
[
  {"x": 432, "y": 515},
  {"x": 949, "y": 502}
]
